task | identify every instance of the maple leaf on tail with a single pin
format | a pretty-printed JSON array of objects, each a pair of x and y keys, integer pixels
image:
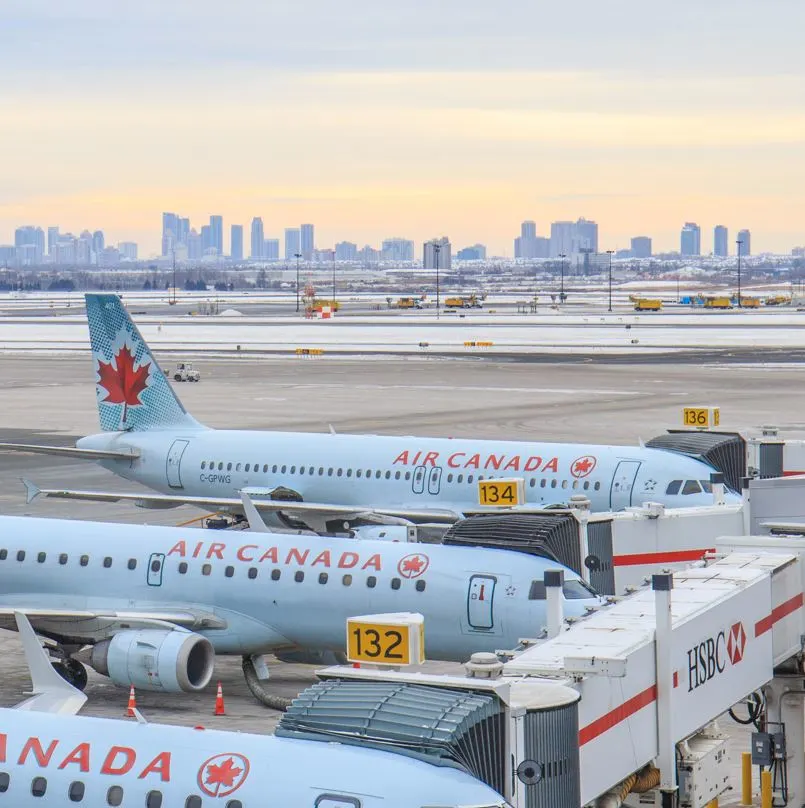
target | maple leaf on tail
[
  {"x": 123, "y": 384},
  {"x": 223, "y": 775}
]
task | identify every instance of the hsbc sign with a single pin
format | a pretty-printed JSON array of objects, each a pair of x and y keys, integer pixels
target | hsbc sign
[{"x": 709, "y": 658}]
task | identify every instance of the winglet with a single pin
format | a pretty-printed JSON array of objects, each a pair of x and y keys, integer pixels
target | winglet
[
  {"x": 256, "y": 522},
  {"x": 51, "y": 693},
  {"x": 332, "y": 429},
  {"x": 32, "y": 491}
]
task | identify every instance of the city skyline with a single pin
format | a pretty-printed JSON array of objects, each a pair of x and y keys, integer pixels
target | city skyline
[{"x": 638, "y": 118}]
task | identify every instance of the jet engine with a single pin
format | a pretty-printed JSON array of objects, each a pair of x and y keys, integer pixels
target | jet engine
[{"x": 153, "y": 659}]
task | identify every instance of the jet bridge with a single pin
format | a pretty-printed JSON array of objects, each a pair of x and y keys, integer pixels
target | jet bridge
[{"x": 651, "y": 675}]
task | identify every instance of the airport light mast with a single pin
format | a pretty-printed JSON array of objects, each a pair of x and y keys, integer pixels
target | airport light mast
[
  {"x": 297, "y": 256},
  {"x": 562, "y": 281},
  {"x": 436, "y": 250},
  {"x": 739, "y": 244},
  {"x": 610, "y": 252}
]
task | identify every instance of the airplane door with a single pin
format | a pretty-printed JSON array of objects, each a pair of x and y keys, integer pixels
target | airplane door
[
  {"x": 174, "y": 461},
  {"x": 434, "y": 480},
  {"x": 620, "y": 493},
  {"x": 481, "y": 601},
  {"x": 155, "y": 565},
  {"x": 336, "y": 801},
  {"x": 418, "y": 486}
]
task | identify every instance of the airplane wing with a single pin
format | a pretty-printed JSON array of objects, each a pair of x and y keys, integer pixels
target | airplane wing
[
  {"x": 50, "y": 692},
  {"x": 313, "y": 513},
  {"x": 69, "y": 451}
]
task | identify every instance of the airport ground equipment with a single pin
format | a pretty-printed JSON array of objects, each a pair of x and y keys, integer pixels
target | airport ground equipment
[
  {"x": 618, "y": 708},
  {"x": 185, "y": 372},
  {"x": 647, "y": 304}
]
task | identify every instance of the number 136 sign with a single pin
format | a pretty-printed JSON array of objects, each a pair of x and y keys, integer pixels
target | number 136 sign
[{"x": 386, "y": 639}]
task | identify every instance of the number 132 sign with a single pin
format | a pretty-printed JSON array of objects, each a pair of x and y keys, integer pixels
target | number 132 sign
[{"x": 386, "y": 639}]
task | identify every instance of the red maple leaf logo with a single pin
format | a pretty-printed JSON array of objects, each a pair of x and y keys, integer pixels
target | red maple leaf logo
[
  {"x": 583, "y": 466},
  {"x": 123, "y": 384},
  {"x": 412, "y": 566},
  {"x": 223, "y": 774}
]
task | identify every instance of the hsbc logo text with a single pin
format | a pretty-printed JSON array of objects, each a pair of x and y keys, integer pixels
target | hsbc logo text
[{"x": 710, "y": 657}]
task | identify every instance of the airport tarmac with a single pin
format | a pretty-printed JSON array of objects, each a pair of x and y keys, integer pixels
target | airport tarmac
[{"x": 53, "y": 400}]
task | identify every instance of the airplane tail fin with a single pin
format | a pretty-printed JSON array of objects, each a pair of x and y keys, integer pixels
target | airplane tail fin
[{"x": 132, "y": 391}]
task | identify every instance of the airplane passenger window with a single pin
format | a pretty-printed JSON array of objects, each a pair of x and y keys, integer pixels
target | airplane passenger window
[
  {"x": 20, "y": 555},
  {"x": 349, "y": 472},
  {"x": 193, "y": 801},
  {"x": 5, "y": 780},
  {"x": 39, "y": 785},
  {"x": 299, "y": 576},
  {"x": 368, "y": 472},
  {"x": 543, "y": 482},
  {"x": 329, "y": 472},
  {"x": 293, "y": 469},
  {"x": 321, "y": 471},
  {"x": 76, "y": 791},
  {"x": 203, "y": 464},
  {"x": 283, "y": 469},
  {"x": 537, "y": 591},
  {"x": 41, "y": 558},
  {"x": 153, "y": 799},
  {"x": 553, "y": 483},
  {"x": 576, "y": 589},
  {"x": 212, "y": 464},
  {"x": 388, "y": 475},
  {"x": 564, "y": 483},
  {"x": 237, "y": 467},
  {"x": 469, "y": 479},
  {"x": 107, "y": 562},
  {"x": 182, "y": 567},
  {"x": 275, "y": 575},
  {"x": 234, "y": 804},
  {"x": 459, "y": 479},
  {"x": 156, "y": 565},
  {"x": 449, "y": 478},
  {"x": 132, "y": 565},
  {"x": 62, "y": 558},
  {"x": 359, "y": 473},
  {"x": 84, "y": 560},
  {"x": 397, "y": 475},
  {"x": 586, "y": 485},
  {"x": 395, "y": 583},
  {"x": 265, "y": 468},
  {"x": 575, "y": 484},
  {"x": 206, "y": 569},
  {"x": 114, "y": 796},
  {"x": 229, "y": 467},
  {"x": 378, "y": 474},
  {"x": 420, "y": 586},
  {"x": 252, "y": 572},
  {"x": 371, "y": 582},
  {"x": 220, "y": 466},
  {"x": 273, "y": 469},
  {"x": 673, "y": 487},
  {"x": 347, "y": 580},
  {"x": 707, "y": 486},
  {"x": 323, "y": 577},
  {"x": 532, "y": 482},
  {"x": 229, "y": 571},
  {"x": 311, "y": 471},
  {"x": 3, "y": 555},
  {"x": 597, "y": 486},
  {"x": 691, "y": 487},
  {"x": 338, "y": 473}
]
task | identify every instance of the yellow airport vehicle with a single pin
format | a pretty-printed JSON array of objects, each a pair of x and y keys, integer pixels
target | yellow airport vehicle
[
  {"x": 319, "y": 304},
  {"x": 778, "y": 300},
  {"x": 718, "y": 303},
  {"x": 750, "y": 302},
  {"x": 471, "y": 302},
  {"x": 408, "y": 303},
  {"x": 647, "y": 304}
]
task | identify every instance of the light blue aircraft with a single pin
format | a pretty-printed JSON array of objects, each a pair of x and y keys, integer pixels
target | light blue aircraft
[
  {"x": 334, "y": 482},
  {"x": 51, "y": 757},
  {"x": 151, "y": 606}
]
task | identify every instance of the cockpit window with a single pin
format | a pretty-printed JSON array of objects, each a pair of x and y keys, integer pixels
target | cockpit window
[
  {"x": 577, "y": 590},
  {"x": 691, "y": 487},
  {"x": 673, "y": 487},
  {"x": 707, "y": 486},
  {"x": 537, "y": 591}
]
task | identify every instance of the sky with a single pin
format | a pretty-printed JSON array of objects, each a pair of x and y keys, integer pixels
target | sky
[{"x": 407, "y": 118}]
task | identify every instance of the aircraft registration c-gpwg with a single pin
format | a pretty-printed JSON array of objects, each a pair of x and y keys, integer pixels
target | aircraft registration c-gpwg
[{"x": 325, "y": 482}]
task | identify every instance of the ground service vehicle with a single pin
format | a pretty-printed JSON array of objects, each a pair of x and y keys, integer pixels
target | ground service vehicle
[
  {"x": 471, "y": 302},
  {"x": 647, "y": 304},
  {"x": 718, "y": 303},
  {"x": 408, "y": 303},
  {"x": 185, "y": 372}
]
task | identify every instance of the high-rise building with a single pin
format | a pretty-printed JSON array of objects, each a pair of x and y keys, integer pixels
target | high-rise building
[
  {"x": 291, "y": 243},
  {"x": 477, "y": 252},
  {"x": 721, "y": 245},
  {"x": 83, "y": 249},
  {"x": 271, "y": 249},
  {"x": 641, "y": 247},
  {"x": 170, "y": 230},
  {"x": 53, "y": 238},
  {"x": 206, "y": 239},
  {"x": 562, "y": 238},
  {"x": 195, "y": 248},
  {"x": 31, "y": 237},
  {"x": 586, "y": 236},
  {"x": 346, "y": 251},
  {"x": 98, "y": 244},
  {"x": 528, "y": 230},
  {"x": 573, "y": 238},
  {"x": 691, "y": 239},
  {"x": 437, "y": 249},
  {"x": 368, "y": 255},
  {"x": 745, "y": 237},
  {"x": 256, "y": 252},
  {"x": 128, "y": 250},
  {"x": 217, "y": 234},
  {"x": 397, "y": 249},
  {"x": 307, "y": 241},
  {"x": 236, "y": 242},
  {"x": 182, "y": 230}
]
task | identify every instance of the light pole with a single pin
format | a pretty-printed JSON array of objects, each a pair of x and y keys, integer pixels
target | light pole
[
  {"x": 333, "y": 300},
  {"x": 436, "y": 250},
  {"x": 609, "y": 252},
  {"x": 297, "y": 256},
  {"x": 739, "y": 243},
  {"x": 562, "y": 281}
]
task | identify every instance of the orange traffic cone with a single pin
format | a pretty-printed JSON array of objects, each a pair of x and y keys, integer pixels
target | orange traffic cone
[
  {"x": 132, "y": 706},
  {"x": 219, "y": 701}
]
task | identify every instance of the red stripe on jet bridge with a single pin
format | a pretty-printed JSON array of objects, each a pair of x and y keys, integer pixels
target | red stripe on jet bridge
[
  {"x": 637, "y": 559},
  {"x": 793, "y": 473},
  {"x": 778, "y": 613}
]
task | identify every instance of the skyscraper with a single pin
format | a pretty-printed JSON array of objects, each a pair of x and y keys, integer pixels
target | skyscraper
[
  {"x": 346, "y": 251},
  {"x": 194, "y": 248},
  {"x": 257, "y": 239},
  {"x": 477, "y": 252},
  {"x": 528, "y": 244},
  {"x": 236, "y": 242},
  {"x": 206, "y": 239},
  {"x": 641, "y": 247},
  {"x": 721, "y": 243},
  {"x": 396, "y": 249},
  {"x": 53, "y": 239},
  {"x": 691, "y": 239},
  {"x": 429, "y": 253},
  {"x": 217, "y": 233},
  {"x": 29, "y": 242},
  {"x": 98, "y": 244},
  {"x": 562, "y": 238},
  {"x": 182, "y": 230},
  {"x": 528, "y": 230},
  {"x": 745, "y": 237},
  {"x": 128, "y": 250},
  {"x": 586, "y": 236},
  {"x": 271, "y": 249},
  {"x": 307, "y": 241},
  {"x": 291, "y": 243},
  {"x": 170, "y": 229}
]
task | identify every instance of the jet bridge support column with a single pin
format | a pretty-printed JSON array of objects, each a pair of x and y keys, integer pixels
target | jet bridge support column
[
  {"x": 663, "y": 585},
  {"x": 785, "y": 697}
]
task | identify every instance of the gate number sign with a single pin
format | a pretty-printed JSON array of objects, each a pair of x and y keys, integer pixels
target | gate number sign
[
  {"x": 501, "y": 493},
  {"x": 386, "y": 639},
  {"x": 701, "y": 417}
]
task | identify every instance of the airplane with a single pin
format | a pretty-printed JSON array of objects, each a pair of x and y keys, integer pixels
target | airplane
[
  {"x": 52, "y": 756},
  {"x": 152, "y": 606},
  {"x": 333, "y": 482}
]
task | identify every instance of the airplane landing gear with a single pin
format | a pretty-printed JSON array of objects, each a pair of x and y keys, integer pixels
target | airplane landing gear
[
  {"x": 72, "y": 671},
  {"x": 251, "y": 666}
]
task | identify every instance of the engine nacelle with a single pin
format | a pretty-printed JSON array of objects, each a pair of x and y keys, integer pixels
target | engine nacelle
[
  {"x": 381, "y": 532},
  {"x": 153, "y": 659}
]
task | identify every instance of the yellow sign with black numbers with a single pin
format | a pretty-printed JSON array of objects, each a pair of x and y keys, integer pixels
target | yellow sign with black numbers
[
  {"x": 501, "y": 493},
  {"x": 701, "y": 417},
  {"x": 395, "y": 639}
]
